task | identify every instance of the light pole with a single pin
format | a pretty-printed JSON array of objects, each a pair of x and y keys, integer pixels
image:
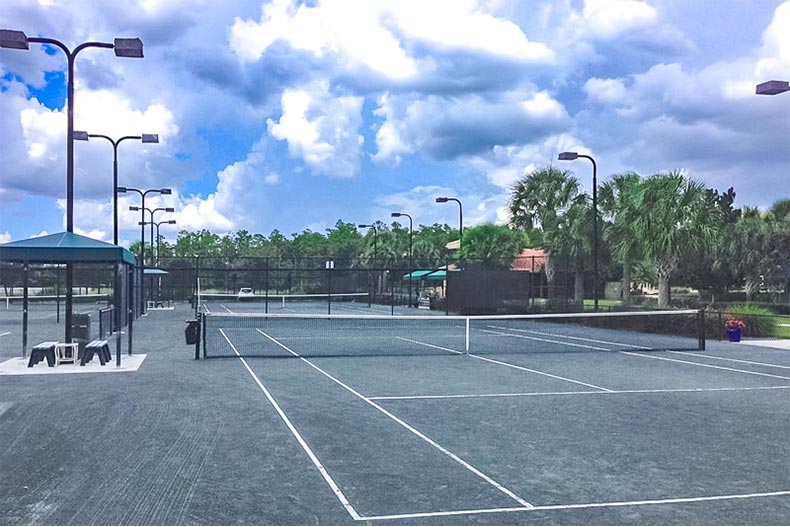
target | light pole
[
  {"x": 146, "y": 138},
  {"x": 143, "y": 193},
  {"x": 151, "y": 223},
  {"x": 375, "y": 238},
  {"x": 158, "y": 223},
  {"x": 411, "y": 235},
  {"x": 124, "y": 47},
  {"x": 772, "y": 87},
  {"x": 460, "y": 216},
  {"x": 570, "y": 156}
]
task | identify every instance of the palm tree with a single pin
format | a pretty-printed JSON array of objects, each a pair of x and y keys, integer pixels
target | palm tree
[
  {"x": 571, "y": 239},
  {"x": 540, "y": 199},
  {"x": 675, "y": 217},
  {"x": 621, "y": 200},
  {"x": 747, "y": 249}
]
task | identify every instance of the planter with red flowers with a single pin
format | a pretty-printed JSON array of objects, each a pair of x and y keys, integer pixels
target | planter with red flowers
[{"x": 734, "y": 329}]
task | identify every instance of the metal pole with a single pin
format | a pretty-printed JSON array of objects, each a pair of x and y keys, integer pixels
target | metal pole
[
  {"x": 142, "y": 253},
  {"x": 114, "y": 192},
  {"x": 26, "y": 269}
]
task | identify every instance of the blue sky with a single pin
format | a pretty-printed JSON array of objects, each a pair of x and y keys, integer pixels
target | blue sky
[{"x": 291, "y": 115}]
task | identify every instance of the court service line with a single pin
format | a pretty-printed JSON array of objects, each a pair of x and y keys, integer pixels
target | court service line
[
  {"x": 597, "y": 341},
  {"x": 635, "y": 503},
  {"x": 226, "y": 308},
  {"x": 522, "y": 368},
  {"x": 704, "y": 365},
  {"x": 331, "y": 482},
  {"x": 507, "y": 364},
  {"x": 732, "y": 360},
  {"x": 581, "y": 392},
  {"x": 431, "y": 345},
  {"x": 544, "y": 340},
  {"x": 406, "y": 425}
]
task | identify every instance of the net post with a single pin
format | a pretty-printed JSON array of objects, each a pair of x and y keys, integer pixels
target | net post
[
  {"x": 466, "y": 338},
  {"x": 701, "y": 328},
  {"x": 203, "y": 335}
]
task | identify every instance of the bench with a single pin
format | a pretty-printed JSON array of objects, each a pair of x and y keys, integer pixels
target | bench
[
  {"x": 100, "y": 347},
  {"x": 41, "y": 351}
]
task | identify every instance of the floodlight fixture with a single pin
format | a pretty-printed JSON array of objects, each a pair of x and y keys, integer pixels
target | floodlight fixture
[
  {"x": 772, "y": 87},
  {"x": 568, "y": 156}
]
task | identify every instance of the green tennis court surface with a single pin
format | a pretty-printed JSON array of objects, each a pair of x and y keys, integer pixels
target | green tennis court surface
[{"x": 352, "y": 429}]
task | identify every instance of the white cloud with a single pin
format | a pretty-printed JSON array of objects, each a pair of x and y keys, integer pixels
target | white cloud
[
  {"x": 449, "y": 127},
  {"x": 321, "y": 130},
  {"x": 370, "y": 38},
  {"x": 608, "y": 18},
  {"x": 611, "y": 91},
  {"x": 5, "y": 237}
]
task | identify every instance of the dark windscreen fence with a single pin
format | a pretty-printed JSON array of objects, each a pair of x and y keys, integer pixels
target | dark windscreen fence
[{"x": 286, "y": 335}]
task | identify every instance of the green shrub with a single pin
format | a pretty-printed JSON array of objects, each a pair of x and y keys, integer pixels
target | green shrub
[{"x": 759, "y": 320}]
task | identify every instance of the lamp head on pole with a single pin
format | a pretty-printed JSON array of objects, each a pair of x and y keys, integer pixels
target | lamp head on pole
[
  {"x": 165, "y": 191},
  {"x": 396, "y": 214},
  {"x": 568, "y": 156},
  {"x": 80, "y": 136},
  {"x": 122, "y": 190},
  {"x": 360, "y": 226},
  {"x": 133, "y": 208},
  {"x": 13, "y": 39},
  {"x": 442, "y": 200},
  {"x": 171, "y": 222},
  {"x": 128, "y": 47},
  {"x": 150, "y": 138},
  {"x": 169, "y": 209},
  {"x": 773, "y": 87}
]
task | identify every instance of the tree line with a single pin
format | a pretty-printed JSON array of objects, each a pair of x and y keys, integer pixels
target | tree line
[{"x": 660, "y": 229}]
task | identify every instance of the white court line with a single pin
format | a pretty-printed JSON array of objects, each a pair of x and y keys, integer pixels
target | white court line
[
  {"x": 732, "y": 360},
  {"x": 507, "y": 364},
  {"x": 544, "y": 340},
  {"x": 206, "y": 309},
  {"x": 573, "y": 338},
  {"x": 581, "y": 392},
  {"x": 407, "y": 426},
  {"x": 331, "y": 482},
  {"x": 226, "y": 308},
  {"x": 431, "y": 346},
  {"x": 522, "y": 368},
  {"x": 4, "y": 334},
  {"x": 582, "y": 505},
  {"x": 704, "y": 365}
]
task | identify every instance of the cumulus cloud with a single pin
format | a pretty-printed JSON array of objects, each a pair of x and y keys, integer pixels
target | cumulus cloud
[
  {"x": 446, "y": 128},
  {"x": 321, "y": 130}
]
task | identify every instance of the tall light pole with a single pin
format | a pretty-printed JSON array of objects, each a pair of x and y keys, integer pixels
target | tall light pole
[
  {"x": 375, "y": 238},
  {"x": 151, "y": 212},
  {"x": 146, "y": 138},
  {"x": 124, "y": 47},
  {"x": 411, "y": 235},
  {"x": 143, "y": 193},
  {"x": 570, "y": 156},
  {"x": 772, "y": 87},
  {"x": 158, "y": 223},
  {"x": 460, "y": 216}
]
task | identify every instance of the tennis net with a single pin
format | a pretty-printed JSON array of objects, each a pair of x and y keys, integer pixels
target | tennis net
[
  {"x": 288, "y": 335},
  {"x": 259, "y": 302}
]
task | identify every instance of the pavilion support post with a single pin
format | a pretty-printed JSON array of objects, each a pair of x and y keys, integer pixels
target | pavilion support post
[
  {"x": 26, "y": 280},
  {"x": 116, "y": 290}
]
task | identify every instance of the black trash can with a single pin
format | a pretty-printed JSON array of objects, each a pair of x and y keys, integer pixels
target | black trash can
[
  {"x": 192, "y": 331},
  {"x": 81, "y": 329}
]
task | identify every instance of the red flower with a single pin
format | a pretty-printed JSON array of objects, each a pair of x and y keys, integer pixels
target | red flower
[{"x": 734, "y": 323}]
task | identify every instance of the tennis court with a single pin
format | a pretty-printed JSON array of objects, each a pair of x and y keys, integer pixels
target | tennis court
[{"x": 559, "y": 423}]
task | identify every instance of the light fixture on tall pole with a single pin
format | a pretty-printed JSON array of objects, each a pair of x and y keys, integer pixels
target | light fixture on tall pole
[
  {"x": 143, "y": 193},
  {"x": 443, "y": 199},
  {"x": 570, "y": 156},
  {"x": 411, "y": 235},
  {"x": 146, "y": 138},
  {"x": 772, "y": 87},
  {"x": 124, "y": 47},
  {"x": 375, "y": 237},
  {"x": 158, "y": 223}
]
